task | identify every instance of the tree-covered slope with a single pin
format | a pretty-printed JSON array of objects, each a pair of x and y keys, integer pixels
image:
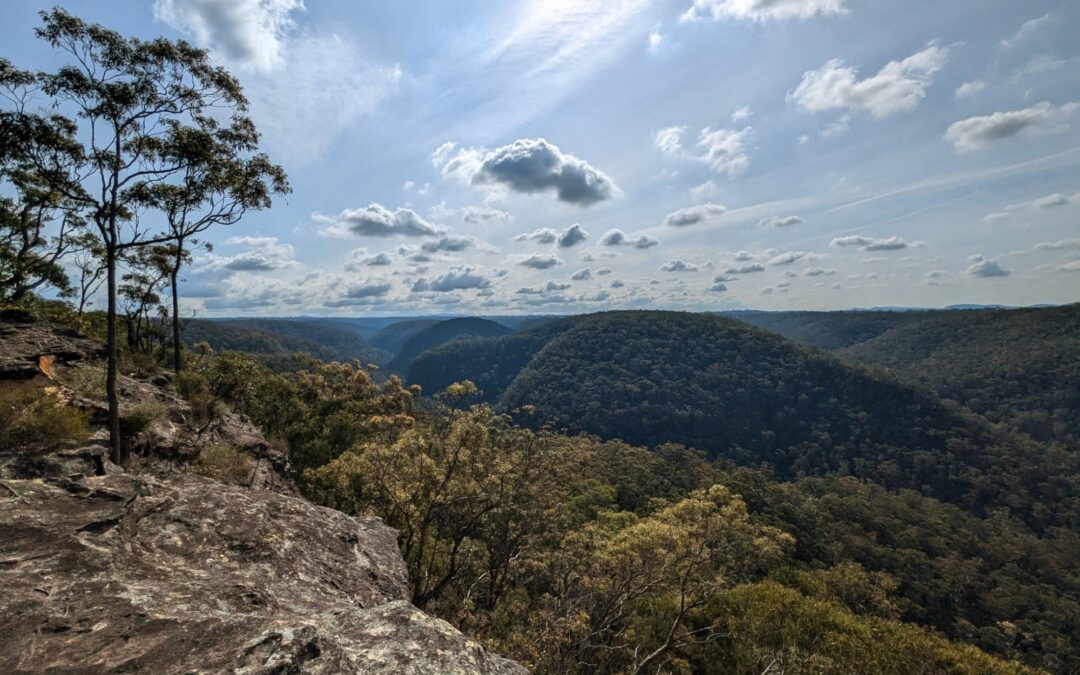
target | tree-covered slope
[
  {"x": 274, "y": 341},
  {"x": 392, "y": 338},
  {"x": 441, "y": 333},
  {"x": 1019, "y": 367},
  {"x": 826, "y": 330},
  {"x": 719, "y": 385},
  {"x": 490, "y": 363}
]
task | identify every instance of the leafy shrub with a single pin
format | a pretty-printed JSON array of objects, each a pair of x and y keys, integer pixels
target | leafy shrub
[
  {"x": 194, "y": 388},
  {"x": 31, "y": 417},
  {"x": 142, "y": 416},
  {"x": 224, "y": 462},
  {"x": 86, "y": 380}
]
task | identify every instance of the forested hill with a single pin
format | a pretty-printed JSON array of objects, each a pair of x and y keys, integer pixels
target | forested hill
[
  {"x": 392, "y": 338},
  {"x": 441, "y": 333},
  {"x": 761, "y": 400},
  {"x": 274, "y": 341},
  {"x": 1020, "y": 367},
  {"x": 827, "y": 330},
  {"x": 490, "y": 363}
]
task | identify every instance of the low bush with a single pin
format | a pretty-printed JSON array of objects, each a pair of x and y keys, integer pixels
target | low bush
[
  {"x": 31, "y": 417},
  {"x": 224, "y": 462}
]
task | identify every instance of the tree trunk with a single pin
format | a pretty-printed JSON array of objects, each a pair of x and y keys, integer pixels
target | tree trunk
[
  {"x": 173, "y": 274},
  {"x": 112, "y": 353}
]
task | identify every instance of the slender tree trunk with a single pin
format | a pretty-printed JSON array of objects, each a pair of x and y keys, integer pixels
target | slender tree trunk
[
  {"x": 173, "y": 274},
  {"x": 112, "y": 351}
]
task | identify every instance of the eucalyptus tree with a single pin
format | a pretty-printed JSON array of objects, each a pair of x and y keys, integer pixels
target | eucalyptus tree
[
  {"x": 227, "y": 179},
  {"x": 120, "y": 110}
]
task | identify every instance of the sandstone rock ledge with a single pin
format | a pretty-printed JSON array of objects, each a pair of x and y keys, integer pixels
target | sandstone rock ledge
[{"x": 182, "y": 574}]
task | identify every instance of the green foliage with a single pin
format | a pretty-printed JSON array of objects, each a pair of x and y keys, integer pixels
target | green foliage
[
  {"x": 31, "y": 418},
  {"x": 194, "y": 387},
  {"x": 224, "y": 462},
  {"x": 87, "y": 380},
  {"x": 441, "y": 333},
  {"x": 392, "y": 338},
  {"x": 142, "y": 416},
  {"x": 758, "y": 399},
  {"x": 274, "y": 341}
]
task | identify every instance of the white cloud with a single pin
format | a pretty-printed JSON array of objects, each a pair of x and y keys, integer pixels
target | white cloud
[
  {"x": 694, "y": 215},
  {"x": 704, "y": 192},
  {"x": 1039, "y": 65},
  {"x": 1063, "y": 245},
  {"x": 725, "y": 150},
  {"x": 528, "y": 166},
  {"x": 780, "y": 221},
  {"x": 458, "y": 278},
  {"x": 868, "y": 244},
  {"x": 541, "y": 235},
  {"x": 679, "y": 265},
  {"x": 572, "y": 235},
  {"x": 654, "y": 41},
  {"x": 787, "y": 257},
  {"x": 375, "y": 220},
  {"x": 976, "y": 133},
  {"x": 549, "y": 287},
  {"x": 483, "y": 215},
  {"x": 764, "y": 10},
  {"x": 540, "y": 262},
  {"x": 985, "y": 267},
  {"x": 669, "y": 140},
  {"x": 748, "y": 268},
  {"x": 741, "y": 114},
  {"x": 581, "y": 275},
  {"x": 898, "y": 87},
  {"x": 1027, "y": 30},
  {"x": 246, "y": 33},
  {"x": 617, "y": 237},
  {"x": 969, "y": 89},
  {"x": 451, "y": 243},
  {"x": 262, "y": 254}
]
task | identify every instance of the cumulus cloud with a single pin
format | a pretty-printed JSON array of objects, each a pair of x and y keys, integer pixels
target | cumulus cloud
[
  {"x": 718, "y": 287},
  {"x": 377, "y": 260},
  {"x": 549, "y": 287},
  {"x": 604, "y": 271},
  {"x": 540, "y": 262},
  {"x": 985, "y": 267},
  {"x": 247, "y": 33},
  {"x": 780, "y": 221},
  {"x": 898, "y": 87},
  {"x": 742, "y": 256},
  {"x": 764, "y": 10},
  {"x": 787, "y": 257},
  {"x": 617, "y": 283},
  {"x": 572, "y": 235},
  {"x": 817, "y": 272},
  {"x": 617, "y": 237},
  {"x": 542, "y": 235},
  {"x": 679, "y": 265},
  {"x": 868, "y": 244},
  {"x": 581, "y": 275},
  {"x": 528, "y": 166},
  {"x": 976, "y": 133},
  {"x": 654, "y": 41},
  {"x": 458, "y": 278},
  {"x": 742, "y": 114},
  {"x": 749, "y": 268},
  {"x": 725, "y": 150},
  {"x": 969, "y": 89},
  {"x": 722, "y": 149},
  {"x": 361, "y": 290},
  {"x": 375, "y": 220},
  {"x": 483, "y": 215},
  {"x": 452, "y": 243},
  {"x": 262, "y": 254},
  {"x": 694, "y": 215}
]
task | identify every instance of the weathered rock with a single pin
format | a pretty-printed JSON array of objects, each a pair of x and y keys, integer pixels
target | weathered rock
[
  {"x": 24, "y": 344},
  {"x": 183, "y": 574}
]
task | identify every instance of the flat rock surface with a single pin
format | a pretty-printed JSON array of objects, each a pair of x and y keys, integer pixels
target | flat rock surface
[{"x": 119, "y": 573}]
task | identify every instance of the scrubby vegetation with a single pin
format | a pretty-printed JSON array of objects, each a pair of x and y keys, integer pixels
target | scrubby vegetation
[
  {"x": 573, "y": 554},
  {"x": 34, "y": 418}
]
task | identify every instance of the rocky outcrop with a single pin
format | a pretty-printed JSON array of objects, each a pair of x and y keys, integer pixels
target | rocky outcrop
[
  {"x": 25, "y": 343},
  {"x": 157, "y": 569}
]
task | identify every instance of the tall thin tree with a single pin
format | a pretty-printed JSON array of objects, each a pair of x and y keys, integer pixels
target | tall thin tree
[{"x": 121, "y": 107}]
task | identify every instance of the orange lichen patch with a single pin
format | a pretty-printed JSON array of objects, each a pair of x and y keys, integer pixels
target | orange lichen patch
[{"x": 47, "y": 365}]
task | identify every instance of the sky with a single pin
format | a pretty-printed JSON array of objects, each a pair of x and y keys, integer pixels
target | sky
[{"x": 564, "y": 156}]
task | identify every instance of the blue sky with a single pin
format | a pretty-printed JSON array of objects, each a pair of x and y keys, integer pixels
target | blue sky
[{"x": 559, "y": 156}]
